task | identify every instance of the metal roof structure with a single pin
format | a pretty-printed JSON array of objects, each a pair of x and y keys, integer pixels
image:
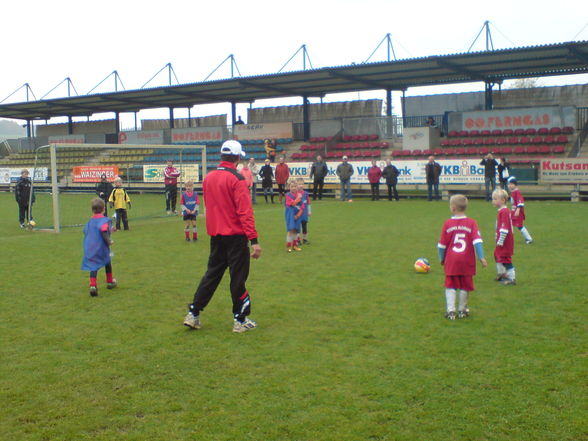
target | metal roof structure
[{"x": 491, "y": 67}]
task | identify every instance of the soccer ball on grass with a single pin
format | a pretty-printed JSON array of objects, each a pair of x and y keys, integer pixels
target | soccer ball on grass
[{"x": 422, "y": 265}]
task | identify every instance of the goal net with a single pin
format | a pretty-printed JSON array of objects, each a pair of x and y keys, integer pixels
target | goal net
[{"x": 72, "y": 172}]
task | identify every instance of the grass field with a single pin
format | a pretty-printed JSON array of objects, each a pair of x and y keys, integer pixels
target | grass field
[{"x": 351, "y": 344}]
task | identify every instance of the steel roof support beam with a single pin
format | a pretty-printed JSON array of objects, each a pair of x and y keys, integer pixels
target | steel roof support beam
[
  {"x": 357, "y": 79},
  {"x": 461, "y": 70}
]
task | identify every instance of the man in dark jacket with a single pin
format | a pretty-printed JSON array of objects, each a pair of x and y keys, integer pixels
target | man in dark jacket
[
  {"x": 433, "y": 171},
  {"x": 489, "y": 164},
  {"x": 345, "y": 171},
  {"x": 267, "y": 180},
  {"x": 390, "y": 174},
  {"x": 318, "y": 172},
  {"x": 24, "y": 194},
  {"x": 103, "y": 190},
  {"x": 231, "y": 225}
]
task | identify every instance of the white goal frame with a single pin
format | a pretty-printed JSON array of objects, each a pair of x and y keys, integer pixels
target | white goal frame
[{"x": 53, "y": 148}]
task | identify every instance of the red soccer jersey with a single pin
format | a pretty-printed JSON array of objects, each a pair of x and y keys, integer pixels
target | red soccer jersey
[
  {"x": 458, "y": 237},
  {"x": 503, "y": 254},
  {"x": 517, "y": 201}
]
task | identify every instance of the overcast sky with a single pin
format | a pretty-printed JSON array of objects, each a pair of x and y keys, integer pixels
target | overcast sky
[{"x": 47, "y": 41}]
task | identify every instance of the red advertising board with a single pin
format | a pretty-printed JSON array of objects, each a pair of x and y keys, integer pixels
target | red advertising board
[{"x": 93, "y": 173}]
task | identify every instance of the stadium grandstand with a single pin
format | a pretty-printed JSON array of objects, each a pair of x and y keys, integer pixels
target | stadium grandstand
[{"x": 544, "y": 124}]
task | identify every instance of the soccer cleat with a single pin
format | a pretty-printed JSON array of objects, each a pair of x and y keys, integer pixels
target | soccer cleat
[
  {"x": 508, "y": 282},
  {"x": 500, "y": 277},
  {"x": 289, "y": 250},
  {"x": 22, "y": 225},
  {"x": 93, "y": 291},
  {"x": 450, "y": 315},
  {"x": 529, "y": 242},
  {"x": 296, "y": 248},
  {"x": 192, "y": 321},
  {"x": 306, "y": 242},
  {"x": 112, "y": 285},
  {"x": 244, "y": 326},
  {"x": 463, "y": 314},
  {"x": 187, "y": 239}
]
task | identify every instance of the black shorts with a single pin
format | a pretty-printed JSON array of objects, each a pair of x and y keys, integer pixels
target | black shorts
[{"x": 188, "y": 217}]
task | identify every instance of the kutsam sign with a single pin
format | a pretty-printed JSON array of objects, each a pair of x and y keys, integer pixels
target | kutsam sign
[
  {"x": 535, "y": 117},
  {"x": 93, "y": 174},
  {"x": 564, "y": 171}
]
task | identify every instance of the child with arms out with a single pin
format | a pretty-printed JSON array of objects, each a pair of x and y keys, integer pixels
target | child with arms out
[
  {"x": 504, "y": 240},
  {"x": 190, "y": 203},
  {"x": 97, "y": 246},
  {"x": 458, "y": 246}
]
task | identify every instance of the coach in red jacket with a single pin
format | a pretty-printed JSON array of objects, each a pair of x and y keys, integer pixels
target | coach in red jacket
[
  {"x": 171, "y": 175},
  {"x": 230, "y": 225},
  {"x": 374, "y": 176}
]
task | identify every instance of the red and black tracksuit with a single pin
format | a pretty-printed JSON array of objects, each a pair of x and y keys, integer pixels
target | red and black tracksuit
[
  {"x": 171, "y": 175},
  {"x": 230, "y": 225}
]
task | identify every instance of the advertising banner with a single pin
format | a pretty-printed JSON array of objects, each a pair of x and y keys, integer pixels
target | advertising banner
[
  {"x": 94, "y": 173},
  {"x": 263, "y": 131},
  {"x": 4, "y": 176},
  {"x": 141, "y": 137},
  {"x": 453, "y": 171},
  {"x": 67, "y": 139},
  {"x": 526, "y": 118},
  {"x": 154, "y": 172},
  {"x": 564, "y": 171},
  {"x": 193, "y": 135},
  {"x": 12, "y": 174}
]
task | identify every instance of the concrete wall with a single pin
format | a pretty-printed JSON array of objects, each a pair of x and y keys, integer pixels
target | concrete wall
[
  {"x": 79, "y": 128},
  {"x": 347, "y": 109},
  {"x": 576, "y": 95},
  {"x": 182, "y": 123}
]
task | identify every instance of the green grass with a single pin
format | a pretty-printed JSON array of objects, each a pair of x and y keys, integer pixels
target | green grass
[{"x": 351, "y": 344}]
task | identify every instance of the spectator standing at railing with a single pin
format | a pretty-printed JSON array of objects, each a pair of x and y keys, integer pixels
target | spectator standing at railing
[
  {"x": 490, "y": 165},
  {"x": 171, "y": 175},
  {"x": 390, "y": 174},
  {"x": 282, "y": 175},
  {"x": 318, "y": 173},
  {"x": 254, "y": 176},
  {"x": 432, "y": 172},
  {"x": 345, "y": 171},
  {"x": 374, "y": 176},
  {"x": 503, "y": 172}
]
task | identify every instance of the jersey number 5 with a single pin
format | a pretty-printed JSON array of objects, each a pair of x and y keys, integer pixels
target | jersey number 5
[{"x": 459, "y": 244}]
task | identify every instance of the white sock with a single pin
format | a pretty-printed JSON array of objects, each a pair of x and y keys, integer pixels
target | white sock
[
  {"x": 450, "y": 299},
  {"x": 463, "y": 300},
  {"x": 526, "y": 234},
  {"x": 511, "y": 273},
  {"x": 500, "y": 269}
]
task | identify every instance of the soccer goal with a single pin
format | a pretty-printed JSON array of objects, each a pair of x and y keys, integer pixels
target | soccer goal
[{"x": 73, "y": 171}]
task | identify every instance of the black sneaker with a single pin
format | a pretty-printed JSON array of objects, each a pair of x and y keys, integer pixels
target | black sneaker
[
  {"x": 187, "y": 239},
  {"x": 463, "y": 314},
  {"x": 305, "y": 242},
  {"x": 450, "y": 315}
]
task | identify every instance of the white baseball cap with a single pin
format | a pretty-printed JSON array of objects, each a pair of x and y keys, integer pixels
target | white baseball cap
[{"x": 232, "y": 147}]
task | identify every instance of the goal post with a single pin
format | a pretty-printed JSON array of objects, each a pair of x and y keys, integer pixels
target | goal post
[{"x": 64, "y": 200}]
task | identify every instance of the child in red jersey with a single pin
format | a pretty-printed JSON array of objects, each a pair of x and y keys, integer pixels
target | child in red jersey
[
  {"x": 190, "y": 203},
  {"x": 460, "y": 242},
  {"x": 518, "y": 209},
  {"x": 293, "y": 213},
  {"x": 504, "y": 240}
]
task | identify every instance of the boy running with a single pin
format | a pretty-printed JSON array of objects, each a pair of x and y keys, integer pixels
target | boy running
[{"x": 517, "y": 203}]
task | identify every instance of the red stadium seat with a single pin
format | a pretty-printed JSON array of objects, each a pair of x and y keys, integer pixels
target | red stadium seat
[
  {"x": 567, "y": 130},
  {"x": 460, "y": 151},
  {"x": 474, "y": 133},
  {"x": 549, "y": 139},
  {"x": 537, "y": 139},
  {"x": 483, "y": 151},
  {"x": 507, "y": 150},
  {"x": 438, "y": 152},
  {"x": 444, "y": 142},
  {"x": 374, "y": 137},
  {"x": 501, "y": 141},
  {"x": 525, "y": 140},
  {"x": 463, "y": 133},
  {"x": 507, "y": 132},
  {"x": 477, "y": 141},
  {"x": 561, "y": 139},
  {"x": 417, "y": 152},
  {"x": 555, "y": 131},
  {"x": 531, "y": 132},
  {"x": 532, "y": 149},
  {"x": 485, "y": 133},
  {"x": 452, "y": 133},
  {"x": 427, "y": 152},
  {"x": 513, "y": 140},
  {"x": 496, "y": 132},
  {"x": 519, "y": 132},
  {"x": 489, "y": 141},
  {"x": 396, "y": 152},
  {"x": 467, "y": 142},
  {"x": 450, "y": 151},
  {"x": 543, "y": 131},
  {"x": 559, "y": 149},
  {"x": 471, "y": 151},
  {"x": 518, "y": 150},
  {"x": 456, "y": 142},
  {"x": 544, "y": 149},
  {"x": 313, "y": 139},
  {"x": 346, "y": 138}
]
